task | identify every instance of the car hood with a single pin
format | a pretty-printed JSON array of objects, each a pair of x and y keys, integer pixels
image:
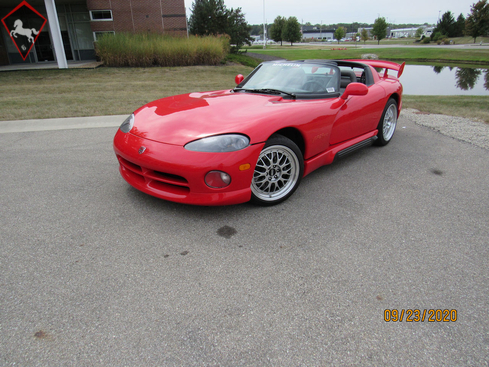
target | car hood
[{"x": 180, "y": 119}]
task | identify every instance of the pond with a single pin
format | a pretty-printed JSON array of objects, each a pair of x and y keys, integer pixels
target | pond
[{"x": 445, "y": 80}]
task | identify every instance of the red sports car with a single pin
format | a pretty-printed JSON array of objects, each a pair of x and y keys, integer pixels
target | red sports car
[{"x": 257, "y": 141}]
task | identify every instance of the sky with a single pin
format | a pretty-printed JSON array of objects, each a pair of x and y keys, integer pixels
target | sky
[{"x": 348, "y": 11}]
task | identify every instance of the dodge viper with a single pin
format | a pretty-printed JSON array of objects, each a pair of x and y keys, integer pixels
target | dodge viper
[{"x": 257, "y": 141}]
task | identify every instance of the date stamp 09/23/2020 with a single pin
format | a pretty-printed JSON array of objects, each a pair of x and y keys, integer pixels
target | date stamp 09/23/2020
[{"x": 416, "y": 315}]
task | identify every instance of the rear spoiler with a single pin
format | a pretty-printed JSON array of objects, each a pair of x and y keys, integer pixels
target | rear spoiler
[{"x": 384, "y": 65}]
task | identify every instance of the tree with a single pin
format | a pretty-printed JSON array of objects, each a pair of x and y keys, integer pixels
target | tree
[
  {"x": 477, "y": 22},
  {"x": 277, "y": 29},
  {"x": 446, "y": 25},
  {"x": 339, "y": 34},
  {"x": 364, "y": 35},
  {"x": 210, "y": 17},
  {"x": 257, "y": 29},
  {"x": 460, "y": 26},
  {"x": 292, "y": 30},
  {"x": 380, "y": 29},
  {"x": 419, "y": 32},
  {"x": 238, "y": 29}
]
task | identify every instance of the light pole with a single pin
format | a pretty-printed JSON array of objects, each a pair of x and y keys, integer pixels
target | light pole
[{"x": 264, "y": 28}]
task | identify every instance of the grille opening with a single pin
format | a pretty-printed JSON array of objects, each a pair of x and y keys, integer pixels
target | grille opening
[
  {"x": 129, "y": 165},
  {"x": 156, "y": 180},
  {"x": 169, "y": 188},
  {"x": 170, "y": 177}
]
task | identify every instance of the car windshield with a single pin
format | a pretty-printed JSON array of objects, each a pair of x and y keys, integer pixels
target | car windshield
[{"x": 294, "y": 78}]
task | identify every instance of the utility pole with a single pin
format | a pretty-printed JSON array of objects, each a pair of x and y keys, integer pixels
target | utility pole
[{"x": 264, "y": 28}]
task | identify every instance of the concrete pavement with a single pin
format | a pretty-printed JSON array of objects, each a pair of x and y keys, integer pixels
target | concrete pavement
[
  {"x": 95, "y": 273},
  {"x": 67, "y": 123}
]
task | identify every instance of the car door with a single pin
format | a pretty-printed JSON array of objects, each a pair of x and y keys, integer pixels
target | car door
[{"x": 358, "y": 115}]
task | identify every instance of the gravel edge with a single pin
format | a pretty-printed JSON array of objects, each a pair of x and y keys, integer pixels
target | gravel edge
[{"x": 470, "y": 131}]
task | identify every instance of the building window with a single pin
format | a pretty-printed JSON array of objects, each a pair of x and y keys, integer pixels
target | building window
[
  {"x": 101, "y": 15},
  {"x": 97, "y": 35}
]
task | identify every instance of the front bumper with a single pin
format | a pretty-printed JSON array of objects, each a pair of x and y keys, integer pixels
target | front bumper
[{"x": 173, "y": 173}]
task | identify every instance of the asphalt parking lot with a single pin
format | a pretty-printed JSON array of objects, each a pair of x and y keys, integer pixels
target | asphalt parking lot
[{"x": 95, "y": 273}]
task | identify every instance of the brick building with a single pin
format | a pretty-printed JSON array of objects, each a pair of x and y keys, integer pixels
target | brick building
[{"x": 74, "y": 25}]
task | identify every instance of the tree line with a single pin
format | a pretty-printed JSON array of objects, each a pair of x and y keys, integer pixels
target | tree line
[
  {"x": 475, "y": 25},
  {"x": 211, "y": 17}
]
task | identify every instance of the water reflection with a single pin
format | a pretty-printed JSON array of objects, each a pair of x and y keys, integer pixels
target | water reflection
[
  {"x": 438, "y": 69},
  {"x": 445, "y": 80},
  {"x": 466, "y": 78}
]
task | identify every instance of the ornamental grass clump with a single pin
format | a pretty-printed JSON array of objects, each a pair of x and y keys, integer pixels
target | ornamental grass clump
[{"x": 150, "y": 49}]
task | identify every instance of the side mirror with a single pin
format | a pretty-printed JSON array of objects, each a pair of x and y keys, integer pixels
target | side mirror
[
  {"x": 355, "y": 89},
  {"x": 239, "y": 78}
]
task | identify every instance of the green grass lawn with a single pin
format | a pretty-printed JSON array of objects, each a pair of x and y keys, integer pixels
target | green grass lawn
[
  {"x": 408, "y": 54},
  {"x": 38, "y": 94},
  {"x": 474, "y": 107}
]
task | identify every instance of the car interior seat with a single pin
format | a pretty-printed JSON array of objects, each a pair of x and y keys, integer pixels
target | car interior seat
[{"x": 347, "y": 77}]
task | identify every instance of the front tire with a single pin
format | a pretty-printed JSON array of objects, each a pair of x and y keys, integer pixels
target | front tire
[
  {"x": 278, "y": 171},
  {"x": 387, "y": 124}
]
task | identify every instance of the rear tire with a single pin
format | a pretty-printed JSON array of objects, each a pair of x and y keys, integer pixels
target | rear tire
[
  {"x": 278, "y": 171},
  {"x": 387, "y": 123}
]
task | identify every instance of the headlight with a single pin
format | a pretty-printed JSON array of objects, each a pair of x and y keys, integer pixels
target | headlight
[
  {"x": 127, "y": 124},
  {"x": 219, "y": 143}
]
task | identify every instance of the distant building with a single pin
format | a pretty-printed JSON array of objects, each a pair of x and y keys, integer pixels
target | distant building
[
  {"x": 369, "y": 31},
  {"x": 427, "y": 32},
  {"x": 370, "y": 35},
  {"x": 82, "y": 21},
  {"x": 403, "y": 32},
  {"x": 317, "y": 33},
  {"x": 410, "y": 32},
  {"x": 352, "y": 36}
]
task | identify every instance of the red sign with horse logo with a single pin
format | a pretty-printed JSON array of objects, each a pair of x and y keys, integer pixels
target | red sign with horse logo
[{"x": 24, "y": 24}]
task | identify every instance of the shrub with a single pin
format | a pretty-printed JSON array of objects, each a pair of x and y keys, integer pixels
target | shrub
[
  {"x": 243, "y": 59},
  {"x": 438, "y": 36},
  {"x": 426, "y": 40},
  {"x": 151, "y": 49}
]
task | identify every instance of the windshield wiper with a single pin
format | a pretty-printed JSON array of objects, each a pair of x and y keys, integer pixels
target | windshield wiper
[
  {"x": 274, "y": 91},
  {"x": 242, "y": 89},
  {"x": 265, "y": 90}
]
